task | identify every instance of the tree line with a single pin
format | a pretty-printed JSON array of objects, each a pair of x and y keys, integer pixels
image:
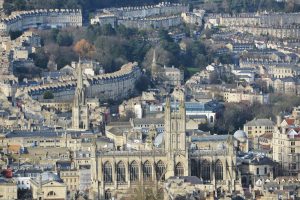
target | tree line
[{"x": 235, "y": 115}]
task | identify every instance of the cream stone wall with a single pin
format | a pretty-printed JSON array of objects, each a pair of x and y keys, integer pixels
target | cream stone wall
[
  {"x": 22, "y": 20},
  {"x": 116, "y": 85},
  {"x": 240, "y": 96},
  {"x": 71, "y": 179},
  {"x": 51, "y": 190},
  {"x": 8, "y": 191}
]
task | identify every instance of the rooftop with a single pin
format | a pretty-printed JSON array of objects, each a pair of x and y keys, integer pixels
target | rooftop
[
  {"x": 43, "y": 133},
  {"x": 260, "y": 122}
]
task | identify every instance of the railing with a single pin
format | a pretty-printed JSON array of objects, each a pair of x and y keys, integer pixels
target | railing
[
  {"x": 207, "y": 152},
  {"x": 131, "y": 153}
]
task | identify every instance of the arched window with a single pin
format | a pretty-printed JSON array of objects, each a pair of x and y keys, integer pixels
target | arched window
[
  {"x": 205, "y": 170},
  {"x": 134, "y": 172},
  {"x": 51, "y": 193},
  {"x": 107, "y": 195},
  {"x": 121, "y": 176},
  {"x": 107, "y": 172},
  {"x": 219, "y": 171},
  {"x": 194, "y": 171},
  {"x": 147, "y": 171},
  {"x": 160, "y": 171},
  {"x": 179, "y": 171}
]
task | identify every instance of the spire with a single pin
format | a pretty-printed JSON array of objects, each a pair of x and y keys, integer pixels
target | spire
[
  {"x": 79, "y": 75},
  {"x": 154, "y": 57},
  {"x": 154, "y": 65}
]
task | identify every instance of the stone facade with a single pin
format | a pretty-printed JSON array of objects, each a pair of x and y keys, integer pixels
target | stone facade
[
  {"x": 286, "y": 143},
  {"x": 115, "y": 172},
  {"x": 279, "y": 25},
  {"x": 8, "y": 190},
  {"x": 238, "y": 96},
  {"x": 116, "y": 85},
  {"x": 163, "y": 15},
  {"x": 22, "y": 20}
]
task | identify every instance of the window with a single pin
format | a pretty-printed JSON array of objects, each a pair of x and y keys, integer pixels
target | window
[
  {"x": 134, "y": 171},
  {"x": 107, "y": 195},
  {"x": 257, "y": 171},
  {"x": 160, "y": 171},
  {"x": 292, "y": 143},
  {"x": 219, "y": 170},
  {"x": 292, "y": 150},
  {"x": 179, "y": 171},
  {"x": 205, "y": 170},
  {"x": 266, "y": 170},
  {"x": 107, "y": 172},
  {"x": 147, "y": 171},
  {"x": 194, "y": 171},
  {"x": 51, "y": 193},
  {"x": 121, "y": 176}
]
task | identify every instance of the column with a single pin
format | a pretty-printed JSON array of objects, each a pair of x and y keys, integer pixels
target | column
[
  {"x": 114, "y": 177},
  {"x": 128, "y": 173},
  {"x": 153, "y": 171}
]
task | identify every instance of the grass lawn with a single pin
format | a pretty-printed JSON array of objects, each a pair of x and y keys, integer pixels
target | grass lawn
[{"x": 193, "y": 70}]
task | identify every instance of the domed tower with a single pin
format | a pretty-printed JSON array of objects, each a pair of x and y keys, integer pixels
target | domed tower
[{"x": 242, "y": 140}]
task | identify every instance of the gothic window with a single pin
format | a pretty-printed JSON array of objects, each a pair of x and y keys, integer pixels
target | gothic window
[
  {"x": 160, "y": 171},
  {"x": 107, "y": 195},
  {"x": 147, "y": 171},
  {"x": 219, "y": 170},
  {"x": 194, "y": 168},
  {"x": 121, "y": 176},
  {"x": 134, "y": 172},
  {"x": 179, "y": 171},
  {"x": 205, "y": 170},
  {"x": 107, "y": 172}
]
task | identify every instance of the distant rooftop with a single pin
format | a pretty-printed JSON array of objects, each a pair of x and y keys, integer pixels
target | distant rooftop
[{"x": 260, "y": 122}]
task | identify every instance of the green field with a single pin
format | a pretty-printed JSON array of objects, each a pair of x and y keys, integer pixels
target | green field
[{"x": 193, "y": 70}]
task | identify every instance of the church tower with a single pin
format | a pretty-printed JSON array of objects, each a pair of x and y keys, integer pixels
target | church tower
[
  {"x": 175, "y": 135},
  {"x": 175, "y": 119},
  {"x": 80, "y": 112},
  {"x": 154, "y": 66}
]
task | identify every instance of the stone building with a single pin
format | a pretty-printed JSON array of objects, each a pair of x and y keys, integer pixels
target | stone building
[
  {"x": 114, "y": 172},
  {"x": 194, "y": 18},
  {"x": 23, "y": 20},
  {"x": 286, "y": 143},
  {"x": 258, "y": 127},
  {"x": 162, "y": 15},
  {"x": 8, "y": 189},
  {"x": 278, "y": 25},
  {"x": 116, "y": 85},
  {"x": 70, "y": 178},
  {"x": 256, "y": 168},
  {"x": 239, "y": 96},
  {"x": 186, "y": 187},
  {"x": 48, "y": 186}
]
